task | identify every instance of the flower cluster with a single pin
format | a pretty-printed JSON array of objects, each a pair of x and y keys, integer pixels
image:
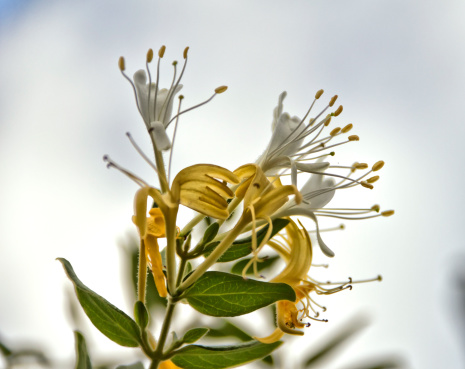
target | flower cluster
[{"x": 263, "y": 192}]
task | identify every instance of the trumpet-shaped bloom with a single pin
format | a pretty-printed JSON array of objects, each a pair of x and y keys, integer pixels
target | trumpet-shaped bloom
[{"x": 296, "y": 250}]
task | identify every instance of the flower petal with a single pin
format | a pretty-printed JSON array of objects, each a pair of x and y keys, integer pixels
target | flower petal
[{"x": 158, "y": 132}]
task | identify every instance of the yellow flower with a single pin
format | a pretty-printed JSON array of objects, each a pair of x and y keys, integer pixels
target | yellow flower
[
  {"x": 296, "y": 250},
  {"x": 168, "y": 364}
]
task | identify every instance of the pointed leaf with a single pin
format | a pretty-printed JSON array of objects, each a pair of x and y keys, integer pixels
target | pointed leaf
[
  {"x": 107, "y": 318},
  {"x": 82, "y": 356},
  {"x": 224, "y": 294},
  {"x": 243, "y": 247},
  {"x": 227, "y": 329},
  {"x": 202, "y": 357},
  {"x": 194, "y": 334}
]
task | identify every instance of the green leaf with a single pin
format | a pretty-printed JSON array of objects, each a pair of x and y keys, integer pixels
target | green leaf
[
  {"x": 82, "y": 356},
  {"x": 202, "y": 357},
  {"x": 268, "y": 360},
  {"x": 243, "y": 247},
  {"x": 107, "y": 318},
  {"x": 210, "y": 233},
  {"x": 5, "y": 350},
  {"x": 265, "y": 263},
  {"x": 141, "y": 314},
  {"x": 224, "y": 294},
  {"x": 194, "y": 334}
]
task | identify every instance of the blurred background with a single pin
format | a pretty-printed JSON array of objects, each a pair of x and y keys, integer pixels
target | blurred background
[{"x": 398, "y": 68}]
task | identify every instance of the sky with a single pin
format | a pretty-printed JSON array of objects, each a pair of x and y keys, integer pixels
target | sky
[{"x": 397, "y": 67}]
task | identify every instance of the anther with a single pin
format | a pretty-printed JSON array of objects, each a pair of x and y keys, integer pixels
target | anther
[
  {"x": 184, "y": 54},
  {"x": 221, "y": 89},
  {"x": 181, "y": 97},
  {"x": 347, "y": 128},
  {"x": 354, "y": 138},
  {"x": 387, "y": 213},
  {"x": 342, "y": 226},
  {"x": 375, "y": 208},
  {"x": 121, "y": 64},
  {"x": 338, "y": 111},
  {"x": 333, "y": 100},
  {"x": 149, "y": 55},
  {"x": 161, "y": 52},
  {"x": 319, "y": 93},
  {"x": 372, "y": 179},
  {"x": 361, "y": 166},
  {"x": 378, "y": 165},
  {"x": 328, "y": 120},
  {"x": 380, "y": 278},
  {"x": 335, "y": 131},
  {"x": 366, "y": 185},
  {"x": 332, "y": 153},
  {"x": 311, "y": 121}
]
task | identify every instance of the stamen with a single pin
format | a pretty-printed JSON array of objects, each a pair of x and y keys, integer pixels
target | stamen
[
  {"x": 161, "y": 52},
  {"x": 335, "y": 131},
  {"x": 192, "y": 108},
  {"x": 141, "y": 153},
  {"x": 347, "y": 128},
  {"x": 354, "y": 138},
  {"x": 221, "y": 89},
  {"x": 121, "y": 64},
  {"x": 333, "y": 100},
  {"x": 338, "y": 111},
  {"x": 319, "y": 93},
  {"x": 375, "y": 208},
  {"x": 320, "y": 265},
  {"x": 366, "y": 185},
  {"x": 184, "y": 54},
  {"x": 149, "y": 56},
  {"x": 377, "y": 166},
  {"x": 181, "y": 97},
  {"x": 387, "y": 213},
  {"x": 122, "y": 67},
  {"x": 360, "y": 165},
  {"x": 111, "y": 163},
  {"x": 372, "y": 179}
]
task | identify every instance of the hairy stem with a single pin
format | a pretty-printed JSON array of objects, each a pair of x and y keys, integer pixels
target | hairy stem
[
  {"x": 142, "y": 273},
  {"x": 158, "y": 354}
]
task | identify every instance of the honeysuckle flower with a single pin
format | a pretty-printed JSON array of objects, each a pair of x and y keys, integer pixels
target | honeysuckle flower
[{"x": 296, "y": 249}]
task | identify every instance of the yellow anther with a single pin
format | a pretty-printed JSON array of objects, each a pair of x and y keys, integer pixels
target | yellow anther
[
  {"x": 333, "y": 100},
  {"x": 328, "y": 117},
  {"x": 161, "y": 52},
  {"x": 378, "y": 165},
  {"x": 387, "y": 213},
  {"x": 221, "y": 89},
  {"x": 342, "y": 226},
  {"x": 185, "y": 52},
  {"x": 354, "y": 138},
  {"x": 121, "y": 64},
  {"x": 372, "y": 179},
  {"x": 181, "y": 97},
  {"x": 347, "y": 128},
  {"x": 332, "y": 153},
  {"x": 361, "y": 166},
  {"x": 335, "y": 131},
  {"x": 338, "y": 111},
  {"x": 149, "y": 55},
  {"x": 375, "y": 208},
  {"x": 318, "y": 94},
  {"x": 311, "y": 121},
  {"x": 366, "y": 185}
]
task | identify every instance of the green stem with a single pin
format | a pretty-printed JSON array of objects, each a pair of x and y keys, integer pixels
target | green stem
[
  {"x": 216, "y": 254},
  {"x": 142, "y": 273},
  {"x": 158, "y": 354},
  {"x": 160, "y": 167},
  {"x": 194, "y": 221},
  {"x": 171, "y": 250}
]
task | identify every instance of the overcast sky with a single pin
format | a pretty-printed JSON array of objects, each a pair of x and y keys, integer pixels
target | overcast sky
[{"x": 397, "y": 67}]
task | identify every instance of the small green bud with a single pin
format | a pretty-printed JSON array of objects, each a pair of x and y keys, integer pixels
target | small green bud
[
  {"x": 210, "y": 233},
  {"x": 141, "y": 314}
]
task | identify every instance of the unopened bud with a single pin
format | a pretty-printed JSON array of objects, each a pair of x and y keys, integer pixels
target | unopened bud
[
  {"x": 221, "y": 89},
  {"x": 185, "y": 52},
  {"x": 335, "y": 131},
  {"x": 378, "y": 165},
  {"x": 121, "y": 64},
  {"x": 361, "y": 166},
  {"x": 149, "y": 55},
  {"x": 318, "y": 94},
  {"x": 353, "y": 138},
  {"x": 372, "y": 179},
  {"x": 161, "y": 52},
  {"x": 347, "y": 128},
  {"x": 333, "y": 100},
  {"x": 375, "y": 208},
  {"x": 387, "y": 213},
  {"x": 366, "y": 185},
  {"x": 338, "y": 111}
]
